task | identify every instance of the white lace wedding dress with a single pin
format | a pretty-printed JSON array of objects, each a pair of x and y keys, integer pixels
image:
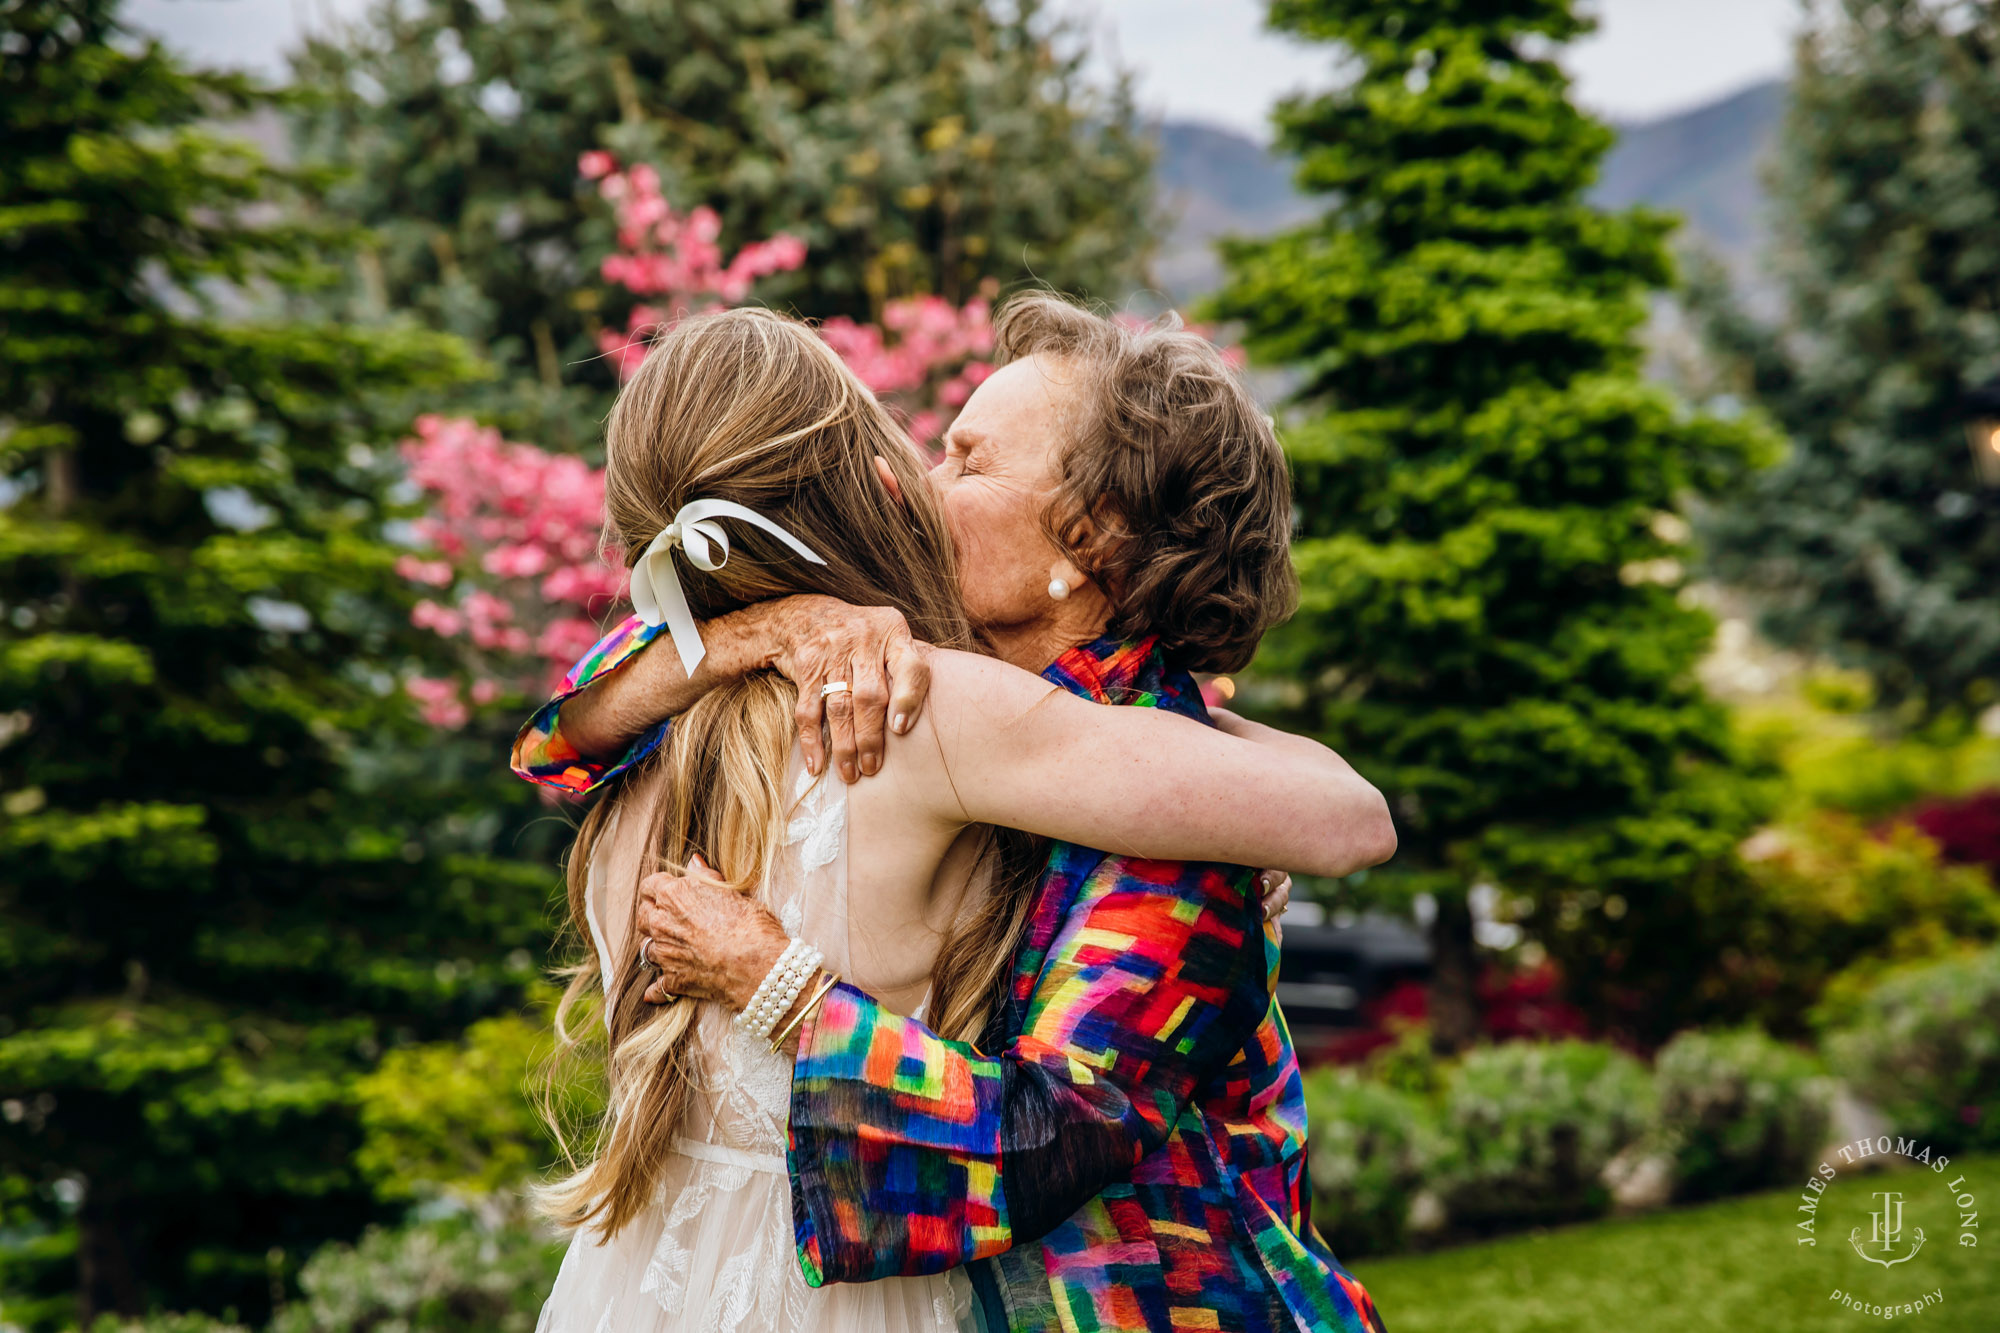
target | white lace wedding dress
[{"x": 716, "y": 1253}]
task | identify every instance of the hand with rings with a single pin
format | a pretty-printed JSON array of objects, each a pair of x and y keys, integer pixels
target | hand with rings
[
  {"x": 700, "y": 939},
  {"x": 862, "y": 678},
  {"x": 646, "y": 964}
]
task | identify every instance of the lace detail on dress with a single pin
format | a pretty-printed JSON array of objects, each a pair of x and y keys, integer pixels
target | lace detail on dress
[{"x": 819, "y": 821}]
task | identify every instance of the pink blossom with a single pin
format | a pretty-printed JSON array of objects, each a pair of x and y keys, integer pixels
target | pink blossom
[
  {"x": 591, "y": 586},
  {"x": 596, "y": 163},
  {"x": 429, "y": 615},
  {"x": 437, "y": 701},
  {"x": 436, "y": 573},
  {"x": 565, "y": 640},
  {"x": 522, "y": 560},
  {"x": 673, "y": 261}
]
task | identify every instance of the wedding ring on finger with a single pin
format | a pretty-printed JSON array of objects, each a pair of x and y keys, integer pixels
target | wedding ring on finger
[
  {"x": 645, "y": 959},
  {"x": 834, "y": 687}
]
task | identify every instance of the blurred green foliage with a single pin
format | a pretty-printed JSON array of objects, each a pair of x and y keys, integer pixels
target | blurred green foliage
[
  {"x": 916, "y": 146},
  {"x": 1922, "y": 1045},
  {"x": 1829, "y": 895},
  {"x": 464, "y": 1119},
  {"x": 1854, "y": 760},
  {"x": 1531, "y": 1126},
  {"x": 449, "y": 1276},
  {"x": 1491, "y": 626},
  {"x": 1874, "y": 541},
  {"x": 1739, "y": 1111},
  {"x": 213, "y": 920},
  {"x": 1373, "y": 1146}
]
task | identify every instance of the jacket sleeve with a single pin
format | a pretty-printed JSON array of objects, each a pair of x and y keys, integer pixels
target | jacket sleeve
[
  {"x": 542, "y": 754},
  {"x": 913, "y": 1154}
]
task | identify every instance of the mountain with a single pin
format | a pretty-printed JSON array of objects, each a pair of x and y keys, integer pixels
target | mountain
[
  {"x": 1702, "y": 164},
  {"x": 1215, "y": 182}
]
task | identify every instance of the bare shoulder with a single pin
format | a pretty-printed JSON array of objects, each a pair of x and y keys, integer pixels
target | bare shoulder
[{"x": 967, "y": 688}]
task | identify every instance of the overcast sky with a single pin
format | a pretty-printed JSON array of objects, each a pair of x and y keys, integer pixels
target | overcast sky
[{"x": 1208, "y": 59}]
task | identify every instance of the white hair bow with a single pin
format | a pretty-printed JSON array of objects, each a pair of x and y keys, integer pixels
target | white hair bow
[{"x": 656, "y": 587}]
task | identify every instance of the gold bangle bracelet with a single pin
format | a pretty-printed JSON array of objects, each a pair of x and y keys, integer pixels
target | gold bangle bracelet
[{"x": 832, "y": 980}]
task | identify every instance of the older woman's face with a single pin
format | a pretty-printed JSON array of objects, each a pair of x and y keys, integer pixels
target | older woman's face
[{"x": 995, "y": 481}]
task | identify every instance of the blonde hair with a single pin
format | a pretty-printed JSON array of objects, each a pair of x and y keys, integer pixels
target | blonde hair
[{"x": 752, "y": 407}]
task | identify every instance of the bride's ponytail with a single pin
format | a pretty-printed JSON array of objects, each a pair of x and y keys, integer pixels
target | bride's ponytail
[{"x": 722, "y": 796}]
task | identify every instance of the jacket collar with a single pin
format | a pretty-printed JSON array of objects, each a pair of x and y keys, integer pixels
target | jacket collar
[{"x": 1126, "y": 671}]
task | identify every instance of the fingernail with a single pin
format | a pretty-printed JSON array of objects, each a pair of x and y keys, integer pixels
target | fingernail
[
  {"x": 901, "y": 724},
  {"x": 812, "y": 767},
  {"x": 847, "y": 772}
]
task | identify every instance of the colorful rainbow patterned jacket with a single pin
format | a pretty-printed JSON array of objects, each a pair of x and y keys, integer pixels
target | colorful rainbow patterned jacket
[{"x": 1116, "y": 1155}]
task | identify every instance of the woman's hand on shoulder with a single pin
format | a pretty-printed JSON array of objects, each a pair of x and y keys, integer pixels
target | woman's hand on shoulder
[{"x": 818, "y": 641}]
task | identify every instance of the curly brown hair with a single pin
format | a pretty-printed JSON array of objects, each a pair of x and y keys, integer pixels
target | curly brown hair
[{"x": 1172, "y": 493}]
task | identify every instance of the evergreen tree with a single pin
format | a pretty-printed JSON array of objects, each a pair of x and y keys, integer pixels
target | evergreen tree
[
  {"x": 1487, "y": 542},
  {"x": 1874, "y": 541},
  {"x": 211, "y": 920},
  {"x": 916, "y": 146}
]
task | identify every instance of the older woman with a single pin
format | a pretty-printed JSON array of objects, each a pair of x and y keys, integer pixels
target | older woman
[{"x": 1126, "y": 1149}]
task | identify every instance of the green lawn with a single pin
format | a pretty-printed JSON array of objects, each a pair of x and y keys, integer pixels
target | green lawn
[{"x": 1732, "y": 1265}]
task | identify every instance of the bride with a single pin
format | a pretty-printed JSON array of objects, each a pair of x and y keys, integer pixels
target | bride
[{"x": 745, "y": 462}]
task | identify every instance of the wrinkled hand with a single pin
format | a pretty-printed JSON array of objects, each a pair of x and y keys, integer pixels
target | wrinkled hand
[
  {"x": 820, "y": 639},
  {"x": 706, "y": 940}
]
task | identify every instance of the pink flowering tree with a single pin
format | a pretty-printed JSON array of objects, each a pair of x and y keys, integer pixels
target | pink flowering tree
[
  {"x": 510, "y": 561},
  {"x": 924, "y": 359},
  {"x": 511, "y": 556},
  {"x": 670, "y": 261}
]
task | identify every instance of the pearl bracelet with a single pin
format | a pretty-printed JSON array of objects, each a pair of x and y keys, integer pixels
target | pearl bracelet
[
  {"x": 791, "y": 982},
  {"x": 780, "y": 989},
  {"x": 773, "y": 979}
]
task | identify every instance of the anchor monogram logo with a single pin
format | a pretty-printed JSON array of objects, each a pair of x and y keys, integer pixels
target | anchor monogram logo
[{"x": 1885, "y": 1233}]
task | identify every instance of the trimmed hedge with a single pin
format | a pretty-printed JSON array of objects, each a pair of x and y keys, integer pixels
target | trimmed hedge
[
  {"x": 1923, "y": 1045},
  {"x": 1529, "y": 1128},
  {"x": 1372, "y": 1146},
  {"x": 1739, "y": 1111}
]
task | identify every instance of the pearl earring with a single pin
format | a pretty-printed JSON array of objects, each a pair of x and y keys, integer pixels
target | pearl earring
[{"x": 1058, "y": 589}]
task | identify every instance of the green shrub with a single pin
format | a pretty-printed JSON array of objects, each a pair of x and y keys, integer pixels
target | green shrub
[
  {"x": 167, "y": 1323},
  {"x": 450, "y": 1276},
  {"x": 1827, "y": 894},
  {"x": 1923, "y": 1045},
  {"x": 462, "y": 1118},
  {"x": 1371, "y": 1147},
  {"x": 1529, "y": 1128},
  {"x": 1836, "y": 758},
  {"x": 1739, "y": 1111}
]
